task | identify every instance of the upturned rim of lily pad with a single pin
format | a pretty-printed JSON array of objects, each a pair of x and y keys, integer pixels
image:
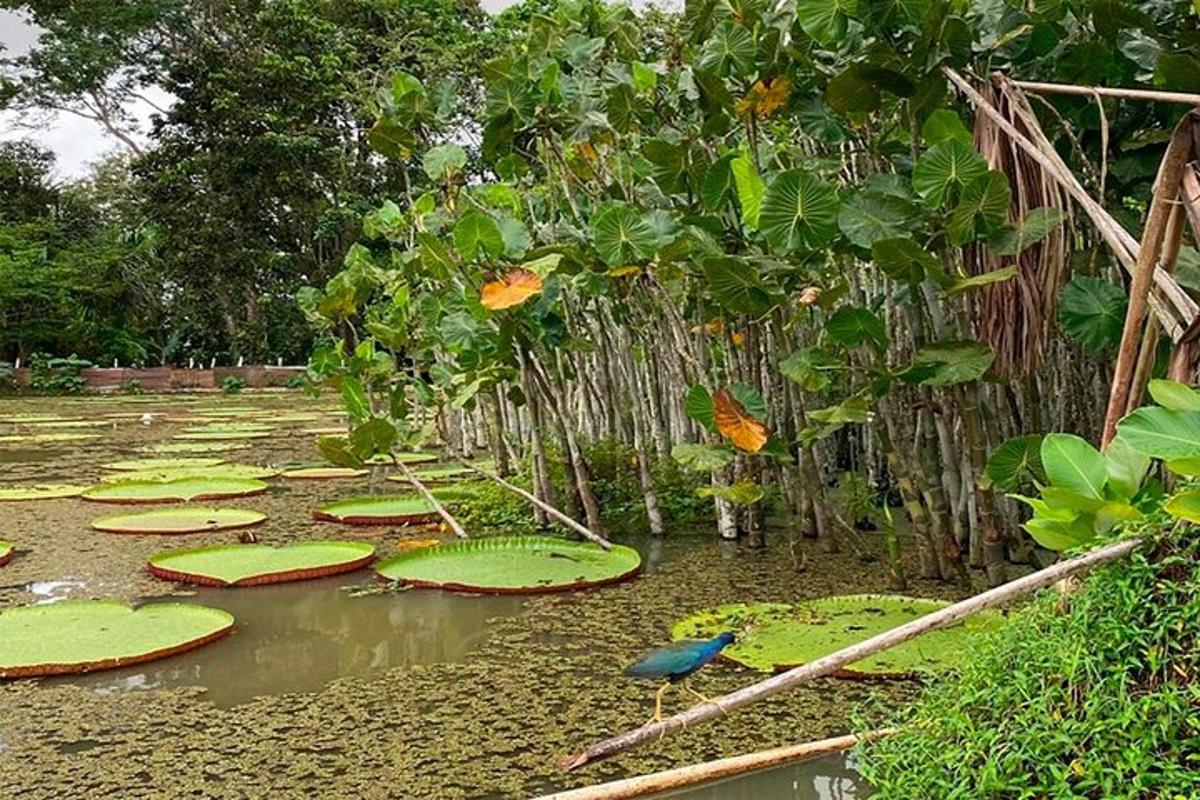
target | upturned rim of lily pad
[
  {"x": 323, "y": 473},
  {"x": 39, "y": 491},
  {"x": 221, "y": 624},
  {"x": 628, "y": 563},
  {"x": 172, "y": 491},
  {"x": 343, "y": 511},
  {"x": 358, "y": 555},
  {"x": 7, "y": 551},
  {"x": 235, "y": 518},
  {"x": 164, "y": 464}
]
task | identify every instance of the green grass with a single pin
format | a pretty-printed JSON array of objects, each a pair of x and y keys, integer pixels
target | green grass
[{"x": 1097, "y": 699}]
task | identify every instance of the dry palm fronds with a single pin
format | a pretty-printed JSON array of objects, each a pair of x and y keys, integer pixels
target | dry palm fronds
[{"x": 1014, "y": 317}]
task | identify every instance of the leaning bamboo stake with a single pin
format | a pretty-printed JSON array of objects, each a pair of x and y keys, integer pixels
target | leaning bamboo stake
[
  {"x": 549, "y": 509},
  {"x": 709, "y": 771},
  {"x": 1148, "y": 354},
  {"x": 1184, "y": 98},
  {"x": 441, "y": 509},
  {"x": 1162, "y": 204},
  {"x": 829, "y": 664}
]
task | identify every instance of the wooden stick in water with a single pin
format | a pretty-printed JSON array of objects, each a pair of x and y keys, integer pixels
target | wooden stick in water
[
  {"x": 549, "y": 509},
  {"x": 719, "y": 707},
  {"x": 693, "y": 774},
  {"x": 441, "y": 509}
]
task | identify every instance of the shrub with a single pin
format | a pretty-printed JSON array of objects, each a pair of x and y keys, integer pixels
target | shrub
[
  {"x": 131, "y": 386},
  {"x": 232, "y": 384},
  {"x": 48, "y": 375}
]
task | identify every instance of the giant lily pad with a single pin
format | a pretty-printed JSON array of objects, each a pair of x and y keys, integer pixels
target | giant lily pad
[
  {"x": 231, "y": 427},
  {"x": 189, "y": 519},
  {"x": 512, "y": 565},
  {"x": 161, "y": 464},
  {"x": 396, "y": 509},
  {"x": 41, "y": 438},
  {"x": 777, "y": 636},
  {"x": 256, "y": 564},
  {"x": 6, "y": 552},
  {"x": 173, "y": 491},
  {"x": 324, "y": 473},
  {"x": 41, "y": 491},
  {"x": 71, "y": 423},
  {"x": 232, "y": 471},
  {"x": 87, "y": 635},
  {"x": 220, "y": 435},
  {"x": 435, "y": 474},
  {"x": 403, "y": 458},
  {"x": 196, "y": 447}
]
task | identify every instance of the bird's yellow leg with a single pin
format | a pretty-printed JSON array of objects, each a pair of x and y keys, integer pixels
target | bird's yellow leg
[
  {"x": 694, "y": 693},
  {"x": 658, "y": 698}
]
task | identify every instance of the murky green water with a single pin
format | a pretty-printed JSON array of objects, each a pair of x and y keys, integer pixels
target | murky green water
[{"x": 828, "y": 778}]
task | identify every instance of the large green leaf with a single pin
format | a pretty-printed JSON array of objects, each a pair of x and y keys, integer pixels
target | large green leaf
[
  {"x": 702, "y": 457},
  {"x": 946, "y": 169},
  {"x": 982, "y": 207},
  {"x": 1162, "y": 433},
  {"x": 949, "y": 362},
  {"x": 1072, "y": 463},
  {"x": 179, "y": 519},
  {"x": 903, "y": 259},
  {"x": 1016, "y": 463},
  {"x": 622, "y": 236},
  {"x": 87, "y": 635},
  {"x": 870, "y": 217},
  {"x": 443, "y": 161},
  {"x": 718, "y": 185},
  {"x": 742, "y": 493},
  {"x": 512, "y": 565},
  {"x": 775, "y": 636},
  {"x": 942, "y": 125},
  {"x": 823, "y": 20},
  {"x": 401, "y": 509},
  {"x": 1059, "y": 535},
  {"x": 812, "y": 368},
  {"x": 1174, "y": 395},
  {"x": 171, "y": 491},
  {"x": 750, "y": 189},
  {"x": 734, "y": 283},
  {"x": 1185, "y": 505},
  {"x": 1126, "y": 468},
  {"x": 800, "y": 212},
  {"x": 854, "y": 325},
  {"x": 477, "y": 236},
  {"x": 698, "y": 404},
  {"x": 1092, "y": 312},
  {"x": 729, "y": 49},
  {"x": 257, "y": 564},
  {"x": 1036, "y": 225}
]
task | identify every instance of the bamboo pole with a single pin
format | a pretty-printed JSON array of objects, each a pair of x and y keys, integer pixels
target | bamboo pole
[
  {"x": 1162, "y": 205},
  {"x": 709, "y": 771},
  {"x": 441, "y": 509},
  {"x": 829, "y": 664},
  {"x": 549, "y": 509},
  {"x": 1123, "y": 244},
  {"x": 1148, "y": 354},
  {"x": 1116, "y": 93}
]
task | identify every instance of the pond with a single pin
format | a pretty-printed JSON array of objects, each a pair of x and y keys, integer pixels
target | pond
[{"x": 327, "y": 690}]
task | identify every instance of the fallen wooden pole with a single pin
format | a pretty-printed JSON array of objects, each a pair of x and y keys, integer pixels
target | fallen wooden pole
[
  {"x": 1105, "y": 91},
  {"x": 693, "y": 774},
  {"x": 549, "y": 509},
  {"x": 826, "y": 665},
  {"x": 441, "y": 509}
]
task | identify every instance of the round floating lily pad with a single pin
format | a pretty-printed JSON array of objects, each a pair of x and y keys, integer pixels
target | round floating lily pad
[
  {"x": 196, "y": 447},
  {"x": 25, "y": 418},
  {"x": 332, "y": 430},
  {"x": 256, "y": 564},
  {"x": 221, "y": 435},
  {"x": 231, "y": 427},
  {"x": 778, "y": 636},
  {"x": 6, "y": 552},
  {"x": 512, "y": 565},
  {"x": 404, "y": 458},
  {"x": 396, "y": 509},
  {"x": 37, "y": 438},
  {"x": 144, "y": 464},
  {"x": 227, "y": 411},
  {"x": 86, "y": 635},
  {"x": 188, "y": 519},
  {"x": 298, "y": 416},
  {"x": 435, "y": 474},
  {"x": 231, "y": 471},
  {"x": 172, "y": 491},
  {"x": 41, "y": 491},
  {"x": 324, "y": 473},
  {"x": 71, "y": 423}
]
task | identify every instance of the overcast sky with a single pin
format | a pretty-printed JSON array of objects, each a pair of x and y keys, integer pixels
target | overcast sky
[{"x": 79, "y": 142}]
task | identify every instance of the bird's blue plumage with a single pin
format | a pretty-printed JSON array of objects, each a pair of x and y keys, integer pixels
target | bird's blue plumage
[{"x": 677, "y": 661}]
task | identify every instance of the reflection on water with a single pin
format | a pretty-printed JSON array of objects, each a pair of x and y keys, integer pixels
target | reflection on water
[
  {"x": 52, "y": 591},
  {"x": 297, "y": 637},
  {"x": 827, "y": 778}
]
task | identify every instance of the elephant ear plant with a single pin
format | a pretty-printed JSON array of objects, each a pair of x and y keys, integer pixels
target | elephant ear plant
[{"x": 1086, "y": 494}]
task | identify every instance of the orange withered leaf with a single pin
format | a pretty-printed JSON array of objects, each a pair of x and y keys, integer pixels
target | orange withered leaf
[
  {"x": 764, "y": 98},
  {"x": 735, "y": 423},
  {"x": 513, "y": 289}
]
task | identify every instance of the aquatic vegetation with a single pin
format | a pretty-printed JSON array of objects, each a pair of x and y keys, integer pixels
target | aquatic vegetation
[
  {"x": 257, "y": 564},
  {"x": 203, "y": 435},
  {"x": 435, "y": 474},
  {"x": 87, "y": 635},
  {"x": 222, "y": 471},
  {"x": 41, "y": 491},
  {"x": 145, "y": 464},
  {"x": 512, "y": 565},
  {"x": 6, "y": 552},
  {"x": 396, "y": 509},
  {"x": 777, "y": 636},
  {"x": 187, "y": 519},
  {"x": 172, "y": 491},
  {"x": 39, "y": 438},
  {"x": 323, "y": 473},
  {"x": 196, "y": 447}
]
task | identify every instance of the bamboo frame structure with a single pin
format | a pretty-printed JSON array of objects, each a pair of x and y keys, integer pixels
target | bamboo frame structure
[{"x": 654, "y": 731}]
